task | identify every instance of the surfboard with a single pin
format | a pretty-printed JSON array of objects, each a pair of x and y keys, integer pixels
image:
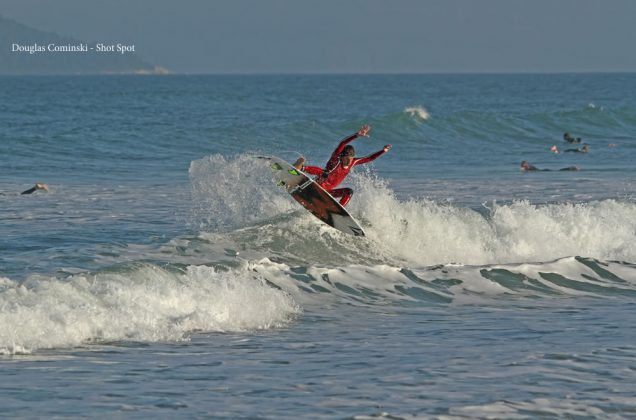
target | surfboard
[{"x": 313, "y": 197}]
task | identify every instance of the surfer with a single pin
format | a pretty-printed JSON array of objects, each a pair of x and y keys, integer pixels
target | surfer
[
  {"x": 36, "y": 187},
  {"x": 584, "y": 149},
  {"x": 340, "y": 163},
  {"x": 568, "y": 137},
  {"x": 526, "y": 167}
]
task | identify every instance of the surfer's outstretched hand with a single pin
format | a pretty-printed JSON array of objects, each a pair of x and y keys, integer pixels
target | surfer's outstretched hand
[
  {"x": 387, "y": 148},
  {"x": 364, "y": 131}
]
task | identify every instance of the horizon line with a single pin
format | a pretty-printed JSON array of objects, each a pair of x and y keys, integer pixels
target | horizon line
[{"x": 309, "y": 73}]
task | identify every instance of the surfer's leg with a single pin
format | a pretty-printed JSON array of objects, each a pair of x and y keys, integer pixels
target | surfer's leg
[
  {"x": 345, "y": 193},
  {"x": 346, "y": 197},
  {"x": 299, "y": 163}
]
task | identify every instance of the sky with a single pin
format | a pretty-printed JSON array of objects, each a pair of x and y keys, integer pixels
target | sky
[{"x": 352, "y": 36}]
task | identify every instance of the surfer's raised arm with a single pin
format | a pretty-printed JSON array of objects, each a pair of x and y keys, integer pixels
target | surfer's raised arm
[
  {"x": 338, "y": 167},
  {"x": 362, "y": 132},
  {"x": 373, "y": 156}
]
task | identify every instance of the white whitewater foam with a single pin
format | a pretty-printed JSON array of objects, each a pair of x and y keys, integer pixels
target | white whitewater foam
[
  {"x": 539, "y": 407},
  {"x": 423, "y": 232},
  {"x": 143, "y": 304},
  {"x": 418, "y": 112},
  {"x": 417, "y": 232},
  {"x": 319, "y": 285}
]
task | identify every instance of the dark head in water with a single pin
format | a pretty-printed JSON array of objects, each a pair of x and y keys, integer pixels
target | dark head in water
[
  {"x": 525, "y": 166},
  {"x": 567, "y": 137}
]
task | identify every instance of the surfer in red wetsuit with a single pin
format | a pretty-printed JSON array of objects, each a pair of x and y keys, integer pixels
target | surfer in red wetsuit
[{"x": 340, "y": 163}]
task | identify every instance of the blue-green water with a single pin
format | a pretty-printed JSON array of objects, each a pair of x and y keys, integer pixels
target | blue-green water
[{"x": 164, "y": 274}]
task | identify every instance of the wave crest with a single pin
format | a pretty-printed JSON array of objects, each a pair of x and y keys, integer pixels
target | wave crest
[
  {"x": 423, "y": 232},
  {"x": 418, "y": 112},
  {"x": 142, "y": 303}
]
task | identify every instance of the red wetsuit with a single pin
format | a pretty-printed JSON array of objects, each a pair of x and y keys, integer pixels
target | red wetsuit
[{"x": 334, "y": 172}]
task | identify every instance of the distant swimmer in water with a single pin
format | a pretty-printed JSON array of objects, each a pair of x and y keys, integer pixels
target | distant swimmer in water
[
  {"x": 567, "y": 137},
  {"x": 584, "y": 149},
  {"x": 554, "y": 149},
  {"x": 526, "y": 167},
  {"x": 36, "y": 187}
]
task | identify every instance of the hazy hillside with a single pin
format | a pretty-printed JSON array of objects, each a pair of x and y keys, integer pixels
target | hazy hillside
[{"x": 91, "y": 62}]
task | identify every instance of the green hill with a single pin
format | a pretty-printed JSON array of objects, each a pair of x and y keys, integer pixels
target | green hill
[{"x": 56, "y": 62}]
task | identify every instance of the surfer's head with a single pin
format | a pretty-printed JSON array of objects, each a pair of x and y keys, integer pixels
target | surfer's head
[
  {"x": 347, "y": 155},
  {"x": 525, "y": 166}
]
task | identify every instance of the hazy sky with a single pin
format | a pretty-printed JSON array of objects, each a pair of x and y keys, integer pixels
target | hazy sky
[{"x": 343, "y": 36}]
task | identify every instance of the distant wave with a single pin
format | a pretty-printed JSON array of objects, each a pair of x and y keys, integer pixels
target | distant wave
[
  {"x": 592, "y": 122},
  {"x": 418, "y": 112}
]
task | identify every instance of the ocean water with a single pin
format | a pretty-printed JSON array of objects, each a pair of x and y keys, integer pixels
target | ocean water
[{"x": 165, "y": 275}]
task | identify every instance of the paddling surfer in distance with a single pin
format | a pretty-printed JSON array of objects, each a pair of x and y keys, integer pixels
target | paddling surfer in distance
[
  {"x": 584, "y": 149},
  {"x": 527, "y": 167},
  {"x": 568, "y": 138},
  {"x": 38, "y": 186}
]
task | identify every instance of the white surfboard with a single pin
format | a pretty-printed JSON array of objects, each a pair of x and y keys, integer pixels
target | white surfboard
[{"x": 313, "y": 197}]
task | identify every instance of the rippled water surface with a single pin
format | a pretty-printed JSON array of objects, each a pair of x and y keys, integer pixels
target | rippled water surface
[{"x": 165, "y": 275}]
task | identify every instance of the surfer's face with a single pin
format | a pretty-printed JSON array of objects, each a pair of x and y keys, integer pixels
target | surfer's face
[{"x": 346, "y": 160}]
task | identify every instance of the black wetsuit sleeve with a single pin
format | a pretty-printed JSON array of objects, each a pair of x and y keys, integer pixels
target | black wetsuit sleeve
[{"x": 29, "y": 191}]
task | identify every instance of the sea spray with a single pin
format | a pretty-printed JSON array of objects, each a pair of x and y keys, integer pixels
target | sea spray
[{"x": 230, "y": 193}]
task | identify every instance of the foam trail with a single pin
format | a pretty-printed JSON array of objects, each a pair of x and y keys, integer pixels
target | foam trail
[{"x": 146, "y": 303}]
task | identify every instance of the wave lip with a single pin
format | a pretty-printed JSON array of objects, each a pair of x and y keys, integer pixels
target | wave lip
[{"x": 145, "y": 303}]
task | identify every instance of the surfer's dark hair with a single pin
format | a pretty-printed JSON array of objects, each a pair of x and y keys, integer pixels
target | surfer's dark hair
[{"x": 348, "y": 151}]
